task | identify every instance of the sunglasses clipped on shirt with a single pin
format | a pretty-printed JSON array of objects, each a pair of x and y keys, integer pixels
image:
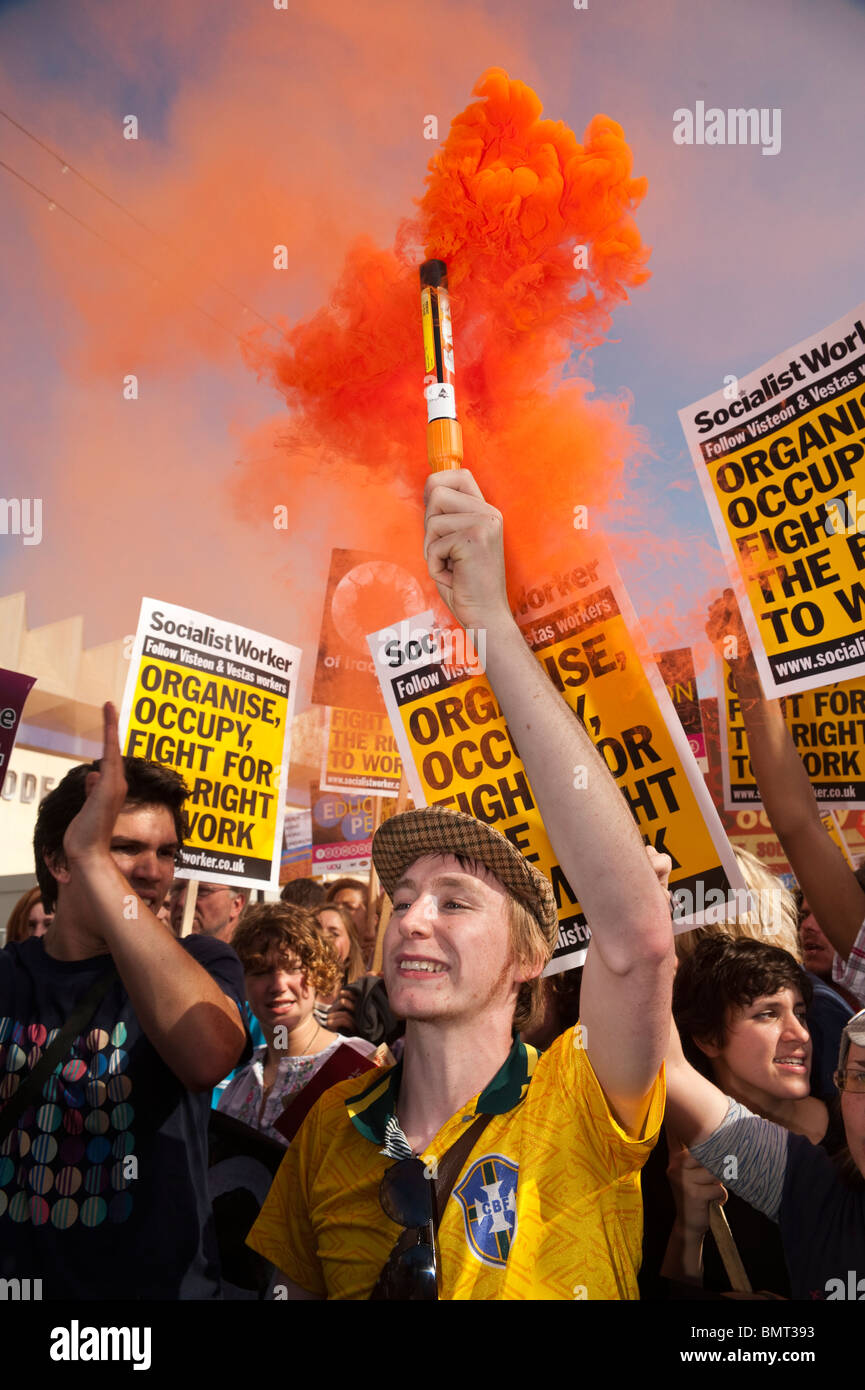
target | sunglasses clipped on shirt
[{"x": 406, "y": 1196}]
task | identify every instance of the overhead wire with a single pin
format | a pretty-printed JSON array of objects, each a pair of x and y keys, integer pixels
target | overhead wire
[
  {"x": 53, "y": 204},
  {"x": 67, "y": 167}
]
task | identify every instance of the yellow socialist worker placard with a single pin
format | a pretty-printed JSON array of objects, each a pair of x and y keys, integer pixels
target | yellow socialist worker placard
[
  {"x": 215, "y": 702},
  {"x": 359, "y": 753},
  {"x": 780, "y": 455},
  {"x": 593, "y": 651},
  {"x": 828, "y": 728},
  {"x": 457, "y": 750}
]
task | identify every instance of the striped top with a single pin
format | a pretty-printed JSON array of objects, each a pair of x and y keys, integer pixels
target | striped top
[{"x": 749, "y": 1155}]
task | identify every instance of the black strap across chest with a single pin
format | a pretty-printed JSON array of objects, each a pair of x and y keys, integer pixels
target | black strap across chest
[{"x": 449, "y": 1169}]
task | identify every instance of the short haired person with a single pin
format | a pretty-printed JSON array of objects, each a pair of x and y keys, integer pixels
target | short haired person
[
  {"x": 817, "y": 1201},
  {"x": 773, "y": 919},
  {"x": 104, "y": 1191},
  {"x": 741, "y": 1007},
  {"x": 546, "y": 1204},
  {"x": 217, "y": 910}
]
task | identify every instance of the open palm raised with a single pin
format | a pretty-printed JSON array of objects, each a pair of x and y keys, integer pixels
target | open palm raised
[{"x": 90, "y": 832}]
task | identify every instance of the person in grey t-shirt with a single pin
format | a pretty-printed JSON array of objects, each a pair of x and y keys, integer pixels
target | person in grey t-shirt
[{"x": 818, "y": 1203}]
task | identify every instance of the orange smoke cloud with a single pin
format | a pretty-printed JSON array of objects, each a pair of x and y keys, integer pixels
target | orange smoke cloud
[
  {"x": 509, "y": 199},
  {"x": 537, "y": 232}
]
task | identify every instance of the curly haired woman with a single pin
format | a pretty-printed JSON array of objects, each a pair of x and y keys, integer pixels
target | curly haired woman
[{"x": 286, "y": 964}]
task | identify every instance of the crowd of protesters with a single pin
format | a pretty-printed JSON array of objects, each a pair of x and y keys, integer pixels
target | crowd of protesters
[{"x": 601, "y": 1133}]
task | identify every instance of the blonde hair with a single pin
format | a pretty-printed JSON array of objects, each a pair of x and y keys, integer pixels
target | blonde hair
[
  {"x": 530, "y": 945},
  {"x": 772, "y": 916}
]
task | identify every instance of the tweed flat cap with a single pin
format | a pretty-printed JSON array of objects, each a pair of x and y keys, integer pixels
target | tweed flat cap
[{"x": 437, "y": 830}]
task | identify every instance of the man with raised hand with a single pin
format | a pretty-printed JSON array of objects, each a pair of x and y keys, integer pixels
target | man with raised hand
[
  {"x": 104, "y": 1148},
  {"x": 528, "y": 1186}
]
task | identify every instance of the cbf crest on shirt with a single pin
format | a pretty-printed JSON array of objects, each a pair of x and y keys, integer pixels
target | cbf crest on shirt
[{"x": 488, "y": 1197}]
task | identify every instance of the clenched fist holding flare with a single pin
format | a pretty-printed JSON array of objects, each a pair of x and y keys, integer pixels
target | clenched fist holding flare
[
  {"x": 443, "y": 434},
  {"x": 464, "y": 551}
]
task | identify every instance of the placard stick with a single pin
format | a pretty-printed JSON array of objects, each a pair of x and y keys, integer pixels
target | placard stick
[
  {"x": 728, "y": 1250},
  {"x": 189, "y": 907},
  {"x": 387, "y": 905},
  {"x": 401, "y": 796}
]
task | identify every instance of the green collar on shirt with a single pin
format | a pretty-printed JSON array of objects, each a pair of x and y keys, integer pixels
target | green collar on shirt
[{"x": 370, "y": 1110}]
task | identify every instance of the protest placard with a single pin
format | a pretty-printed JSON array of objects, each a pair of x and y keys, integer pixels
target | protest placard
[
  {"x": 215, "y": 702},
  {"x": 780, "y": 458},
  {"x": 678, "y": 674},
  {"x": 364, "y": 591},
  {"x": 359, "y": 753},
  {"x": 457, "y": 750},
  {"x": 14, "y": 689},
  {"x": 594, "y": 652},
  {"x": 828, "y": 728},
  {"x": 342, "y": 830}
]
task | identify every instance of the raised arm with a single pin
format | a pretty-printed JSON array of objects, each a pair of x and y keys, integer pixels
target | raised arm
[
  {"x": 830, "y": 887},
  {"x": 695, "y": 1106},
  {"x": 191, "y": 1022},
  {"x": 627, "y": 979}
]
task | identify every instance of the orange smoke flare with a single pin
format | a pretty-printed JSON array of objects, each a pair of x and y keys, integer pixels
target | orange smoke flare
[
  {"x": 444, "y": 438},
  {"x": 537, "y": 233}
]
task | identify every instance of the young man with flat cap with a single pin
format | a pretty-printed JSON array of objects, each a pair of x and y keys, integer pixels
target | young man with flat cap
[{"x": 476, "y": 1169}]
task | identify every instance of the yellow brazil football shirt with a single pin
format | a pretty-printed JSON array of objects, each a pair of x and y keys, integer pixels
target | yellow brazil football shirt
[{"x": 547, "y": 1205}]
